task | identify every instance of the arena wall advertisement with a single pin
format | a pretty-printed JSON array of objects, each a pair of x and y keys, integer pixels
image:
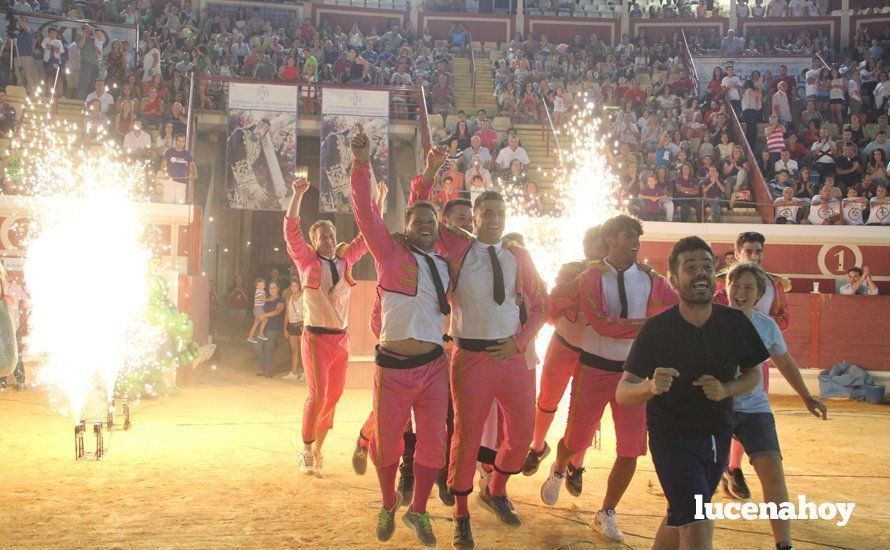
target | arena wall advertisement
[
  {"x": 262, "y": 146},
  {"x": 341, "y": 111}
]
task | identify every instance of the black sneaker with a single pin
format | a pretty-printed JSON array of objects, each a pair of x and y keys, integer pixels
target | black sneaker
[
  {"x": 500, "y": 506},
  {"x": 734, "y": 484},
  {"x": 445, "y": 494},
  {"x": 406, "y": 482},
  {"x": 386, "y": 520},
  {"x": 574, "y": 481},
  {"x": 360, "y": 459},
  {"x": 533, "y": 460},
  {"x": 463, "y": 534}
]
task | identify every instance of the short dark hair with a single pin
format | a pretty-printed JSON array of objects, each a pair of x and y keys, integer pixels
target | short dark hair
[
  {"x": 410, "y": 210},
  {"x": 687, "y": 244},
  {"x": 487, "y": 196},
  {"x": 749, "y": 237},
  {"x": 449, "y": 206},
  {"x": 613, "y": 227},
  {"x": 857, "y": 269},
  {"x": 179, "y": 135}
]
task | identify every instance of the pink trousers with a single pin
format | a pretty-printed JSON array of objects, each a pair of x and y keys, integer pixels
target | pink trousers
[
  {"x": 560, "y": 365},
  {"x": 476, "y": 379},
  {"x": 592, "y": 390},
  {"x": 396, "y": 392},
  {"x": 325, "y": 357}
]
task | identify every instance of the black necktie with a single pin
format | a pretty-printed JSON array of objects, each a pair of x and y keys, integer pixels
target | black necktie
[
  {"x": 335, "y": 275},
  {"x": 622, "y": 294},
  {"x": 498, "y": 275},
  {"x": 444, "y": 307}
]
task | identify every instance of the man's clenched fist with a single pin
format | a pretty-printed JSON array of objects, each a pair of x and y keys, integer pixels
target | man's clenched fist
[{"x": 661, "y": 380}]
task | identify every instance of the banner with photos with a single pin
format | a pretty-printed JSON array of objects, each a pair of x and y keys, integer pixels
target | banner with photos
[
  {"x": 262, "y": 146},
  {"x": 70, "y": 29},
  {"x": 341, "y": 111}
]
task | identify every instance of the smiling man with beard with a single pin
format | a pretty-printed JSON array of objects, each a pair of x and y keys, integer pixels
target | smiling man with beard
[{"x": 685, "y": 364}]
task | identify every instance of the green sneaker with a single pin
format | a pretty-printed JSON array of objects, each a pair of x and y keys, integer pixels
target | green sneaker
[
  {"x": 386, "y": 524},
  {"x": 420, "y": 524}
]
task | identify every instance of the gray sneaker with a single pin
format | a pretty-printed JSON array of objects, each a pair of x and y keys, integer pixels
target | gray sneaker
[
  {"x": 386, "y": 523},
  {"x": 463, "y": 534},
  {"x": 420, "y": 524},
  {"x": 500, "y": 506}
]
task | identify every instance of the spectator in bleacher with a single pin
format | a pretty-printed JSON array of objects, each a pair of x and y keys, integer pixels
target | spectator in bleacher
[
  {"x": 715, "y": 85},
  {"x": 781, "y": 106},
  {"x": 100, "y": 94},
  {"x": 731, "y": 44},
  {"x": 662, "y": 153},
  {"x": 780, "y": 182},
  {"x": 487, "y": 136},
  {"x": 789, "y": 209},
  {"x": 458, "y": 38},
  {"x": 151, "y": 61},
  {"x": 854, "y": 208},
  {"x": 725, "y": 147},
  {"x": 752, "y": 106},
  {"x": 25, "y": 42},
  {"x": 786, "y": 163},
  {"x": 137, "y": 143},
  {"x": 834, "y": 190},
  {"x": 867, "y": 188},
  {"x": 476, "y": 150},
  {"x": 164, "y": 140},
  {"x": 823, "y": 151},
  {"x": 650, "y": 133},
  {"x": 836, "y": 94},
  {"x": 775, "y": 138},
  {"x": 687, "y": 194},
  {"x": 463, "y": 135},
  {"x": 124, "y": 119},
  {"x": 713, "y": 191},
  {"x": 879, "y": 207},
  {"x": 478, "y": 168},
  {"x": 442, "y": 97},
  {"x": 877, "y": 167},
  {"x": 654, "y": 199},
  {"x": 8, "y": 116},
  {"x": 804, "y": 185},
  {"x": 880, "y": 142},
  {"x": 798, "y": 152},
  {"x": 859, "y": 282},
  {"x": 731, "y": 87},
  {"x": 151, "y": 109},
  {"x": 513, "y": 151},
  {"x": 848, "y": 169},
  {"x": 178, "y": 164},
  {"x": 90, "y": 47},
  {"x": 825, "y": 209},
  {"x": 513, "y": 178},
  {"x": 52, "y": 55},
  {"x": 531, "y": 200},
  {"x": 95, "y": 124}
]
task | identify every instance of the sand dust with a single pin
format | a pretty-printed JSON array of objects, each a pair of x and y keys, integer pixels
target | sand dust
[{"x": 215, "y": 467}]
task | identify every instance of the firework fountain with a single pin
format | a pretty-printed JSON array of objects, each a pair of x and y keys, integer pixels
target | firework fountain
[{"x": 88, "y": 265}]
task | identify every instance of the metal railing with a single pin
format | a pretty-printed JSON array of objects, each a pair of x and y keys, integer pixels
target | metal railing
[
  {"x": 425, "y": 136},
  {"x": 472, "y": 66},
  {"x": 756, "y": 182},
  {"x": 690, "y": 64}
]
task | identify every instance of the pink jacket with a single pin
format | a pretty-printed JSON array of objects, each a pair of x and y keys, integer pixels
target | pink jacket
[
  {"x": 307, "y": 259},
  {"x": 454, "y": 244},
  {"x": 586, "y": 291},
  {"x": 396, "y": 267}
]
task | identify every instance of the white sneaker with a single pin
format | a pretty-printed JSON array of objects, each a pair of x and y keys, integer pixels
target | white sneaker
[
  {"x": 290, "y": 376},
  {"x": 551, "y": 486},
  {"x": 307, "y": 463},
  {"x": 607, "y": 523},
  {"x": 318, "y": 462}
]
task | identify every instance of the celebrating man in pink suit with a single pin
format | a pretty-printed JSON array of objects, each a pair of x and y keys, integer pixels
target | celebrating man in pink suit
[
  {"x": 491, "y": 281},
  {"x": 616, "y": 296},
  {"x": 411, "y": 371},
  {"x": 326, "y": 276}
]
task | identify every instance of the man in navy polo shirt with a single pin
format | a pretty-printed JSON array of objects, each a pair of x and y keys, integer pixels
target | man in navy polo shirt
[
  {"x": 686, "y": 364},
  {"x": 179, "y": 166}
]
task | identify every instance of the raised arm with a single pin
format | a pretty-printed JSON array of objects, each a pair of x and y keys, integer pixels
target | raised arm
[
  {"x": 297, "y": 248},
  {"x": 422, "y": 185},
  {"x": 366, "y": 211}
]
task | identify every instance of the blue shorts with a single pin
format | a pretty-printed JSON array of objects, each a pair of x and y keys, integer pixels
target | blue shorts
[
  {"x": 688, "y": 466},
  {"x": 757, "y": 433}
]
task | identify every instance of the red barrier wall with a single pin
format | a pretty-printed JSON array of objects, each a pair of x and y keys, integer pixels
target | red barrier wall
[
  {"x": 830, "y": 26},
  {"x": 365, "y": 17},
  {"x": 484, "y": 28},
  {"x": 564, "y": 29}
]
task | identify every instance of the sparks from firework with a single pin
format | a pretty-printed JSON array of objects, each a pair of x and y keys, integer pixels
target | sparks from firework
[
  {"x": 87, "y": 260},
  {"x": 585, "y": 189}
]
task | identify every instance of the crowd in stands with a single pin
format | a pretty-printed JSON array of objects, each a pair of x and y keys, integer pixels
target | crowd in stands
[{"x": 675, "y": 143}]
